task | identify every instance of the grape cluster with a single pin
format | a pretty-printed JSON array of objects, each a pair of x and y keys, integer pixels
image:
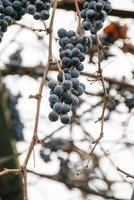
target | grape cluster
[
  {"x": 66, "y": 91},
  {"x": 10, "y": 10},
  {"x": 39, "y": 9},
  {"x": 13, "y": 10},
  {"x": 94, "y": 13}
]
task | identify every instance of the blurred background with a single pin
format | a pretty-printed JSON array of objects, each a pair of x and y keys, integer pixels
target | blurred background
[{"x": 60, "y": 170}]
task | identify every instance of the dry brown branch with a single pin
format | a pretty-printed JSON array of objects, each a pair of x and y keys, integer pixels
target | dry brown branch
[
  {"x": 106, "y": 96},
  {"x": 10, "y": 171},
  {"x": 125, "y": 173},
  {"x": 74, "y": 184}
]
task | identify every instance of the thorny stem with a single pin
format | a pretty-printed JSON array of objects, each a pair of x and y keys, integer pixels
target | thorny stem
[
  {"x": 35, "y": 139},
  {"x": 35, "y": 135},
  {"x": 106, "y": 96}
]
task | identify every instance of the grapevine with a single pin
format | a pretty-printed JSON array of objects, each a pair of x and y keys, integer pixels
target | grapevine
[{"x": 65, "y": 92}]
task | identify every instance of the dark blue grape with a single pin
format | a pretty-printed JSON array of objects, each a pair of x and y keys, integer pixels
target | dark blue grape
[
  {"x": 52, "y": 84},
  {"x": 70, "y": 34},
  {"x": 86, "y": 25},
  {"x": 92, "y": 5},
  {"x": 44, "y": 14},
  {"x": 74, "y": 40},
  {"x": 75, "y": 83},
  {"x": 66, "y": 62},
  {"x": 58, "y": 90},
  {"x": 31, "y": 9},
  {"x": 75, "y": 61},
  {"x": 37, "y": 15},
  {"x": 93, "y": 30},
  {"x": 80, "y": 90},
  {"x": 75, "y": 51},
  {"x": 62, "y": 33},
  {"x": 75, "y": 73},
  {"x": 58, "y": 107},
  {"x": 60, "y": 77},
  {"x": 80, "y": 46},
  {"x": 1, "y": 9},
  {"x": 65, "y": 94},
  {"x": 99, "y": 6},
  {"x": 9, "y": 11},
  {"x": 83, "y": 86},
  {"x": 108, "y": 7},
  {"x": 66, "y": 108},
  {"x": 53, "y": 116},
  {"x": 81, "y": 57},
  {"x": 68, "y": 53},
  {"x": 67, "y": 76},
  {"x": 83, "y": 14},
  {"x": 69, "y": 46},
  {"x": 98, "y": 25},
  {"x": 63, "y": 41},
  {"x": 17, "y": 5},
  {"x": 65, "y": 119},
  {"x": 67, "y": 85},
  {"x": 80, "y": 67},
  {"x": 53, "y": 98},
  {"x": 90, "y": 14}
]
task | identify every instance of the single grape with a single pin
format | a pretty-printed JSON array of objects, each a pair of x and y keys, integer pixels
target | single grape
[
  {"x": 75, "y": 73},
  {"x": 75, "y": 51},
  {"x": 62, "y": 33},
  {"x": 80, "y": 67},
  {"x": 65, "y": 119},
  {"x": 58, "y": 107},
  {"x": 53, "y": 116},
  {"x": 66, "y": 108},
  {"x": 66, "y": 62},
  {"x": 80, "y": 90},
  {"x": 75, "y": 83},
  {"x": 58, "y": 90},
  {"x": 67, "y": 85},
  {"x": 52, "y": 84},
  {"x": 53, "y": 98},
  {"x": 75, "y": 61},
  {"x": 31, "y": 9}
]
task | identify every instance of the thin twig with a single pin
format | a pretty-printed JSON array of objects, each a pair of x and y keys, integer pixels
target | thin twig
[
  {"x": 79, "y": 28},
  {"x": 126, "y": 173},
  {"x": 9, "y": 171},
  {"x": 106, "y": 96}
]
